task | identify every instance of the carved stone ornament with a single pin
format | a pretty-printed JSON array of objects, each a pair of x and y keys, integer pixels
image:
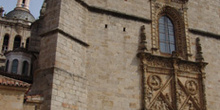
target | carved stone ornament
[
  {"x": 191, "y": 87},
  {"x": 180, "y": 1},
  {"x": 154, "y": 82},
  {"x": 143, "y": 42},
  {"x": 178, "y": 16},
  {"x": 160, "y": 105}
]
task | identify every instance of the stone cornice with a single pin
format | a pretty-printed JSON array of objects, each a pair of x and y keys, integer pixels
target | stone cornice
[
  {"x": 204, "y": 33},
  {"x": 113, "y": 13},
  {"x": 15, "y": 23},
  {"x": 57, "y": 30}
]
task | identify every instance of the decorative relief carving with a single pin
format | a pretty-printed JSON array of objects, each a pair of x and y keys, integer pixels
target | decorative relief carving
[
  {"x": 159, "y": 62},
  {"x": 180, "y": 96},
  {"x": 180, "y": 23},
  {"x": 160, "y": 105},
  {"x": 188, "y": 67},
  {"x": 166, "y": 87},
  {"x": 180, "y": 1},
  {"x": 191, "y": 87},
  {"x": 154, "y": 82}
]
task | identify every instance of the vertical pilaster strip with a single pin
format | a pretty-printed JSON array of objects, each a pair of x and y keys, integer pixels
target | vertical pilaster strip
[
  {"x": 188, "y": 47},
  {"x": 11, "y": 40},
  {"x": 19, "y": 2},
  {"x": 175, "y": 80},
  {"x": 202, "y": 82},
  {"x": 27, "y": 4},
  {"x": 153, "y": 27},
  {"x": 1, "y": 37},
  {"x": 143, "y": 80}
]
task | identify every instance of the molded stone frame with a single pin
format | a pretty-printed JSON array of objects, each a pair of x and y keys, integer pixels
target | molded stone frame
[
  {"x": 171, "y": 82},
  {"x": 177, "y": 12}
]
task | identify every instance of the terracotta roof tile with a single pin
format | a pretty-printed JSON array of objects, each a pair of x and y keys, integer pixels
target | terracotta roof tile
[{"x": 12, "y": 82}]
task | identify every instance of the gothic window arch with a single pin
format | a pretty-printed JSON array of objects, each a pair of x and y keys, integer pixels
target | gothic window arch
[
  {"x": 5, "y": 43},
  {"x": 17, "y": 42},
  {"x": 25, "y": 68},
  {"x": 14, "y": 68},
  {"x": 166, "y": 35},
  {"x": 174, "y": 28}
]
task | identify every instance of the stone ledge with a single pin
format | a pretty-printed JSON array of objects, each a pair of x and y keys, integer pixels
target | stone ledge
[
  {"x": 113, "y": 13},
  {"x": 57, "y": 30},
  {"x": 204, "y": 33}
]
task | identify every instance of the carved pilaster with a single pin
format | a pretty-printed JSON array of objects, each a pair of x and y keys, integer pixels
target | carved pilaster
[
  {"x": 154, "y": 29},
  {"x": 175, "y": 79},
  {"x": 188, "y": 46}
]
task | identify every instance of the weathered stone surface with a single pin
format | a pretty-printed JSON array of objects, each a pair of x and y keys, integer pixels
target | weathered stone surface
[{"x": 89, "y": 58}]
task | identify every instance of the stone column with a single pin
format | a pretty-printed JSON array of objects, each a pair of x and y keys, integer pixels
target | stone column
[
  {"x": 27, "y": 2},
  {"x": 19, "y": 3},
  {"x": 20, "y": 64}
]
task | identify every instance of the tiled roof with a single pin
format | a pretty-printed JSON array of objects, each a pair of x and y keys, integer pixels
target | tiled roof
[
  {"x": 6, "y": 81},
  {"x": 27, "y": 79}
]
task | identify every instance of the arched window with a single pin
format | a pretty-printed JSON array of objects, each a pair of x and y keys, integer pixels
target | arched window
[
  {"x": 27, "y": 43},
  {"x": 6, "y": 66},
  {"x": 25, "y": 68},
  {"x": 5, "y": 43},
  {"x": 166, "y": 35},
  {"x": 14, "y": 67},
  {"x": 17, "y": 42}
]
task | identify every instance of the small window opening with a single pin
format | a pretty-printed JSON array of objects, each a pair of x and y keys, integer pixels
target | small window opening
[
  {"x": 106, "y": 26},
  {"x": 124, "y": 29},
  {"x": 25, "y": 68},
  {"x": 5, "y": 43},
  {"x": 27, "y": 43},
  {"x": 17, "y": 42},
  {"x": 14, "y": 68}
]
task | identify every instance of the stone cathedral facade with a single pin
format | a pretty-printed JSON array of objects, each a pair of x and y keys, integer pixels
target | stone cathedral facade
[{"x": 121, "y": 55}]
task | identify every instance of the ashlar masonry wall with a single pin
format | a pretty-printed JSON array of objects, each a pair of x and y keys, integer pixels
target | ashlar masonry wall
[
  {"x": 90, "y": 56},
  {"x": 112, "y": 67}
]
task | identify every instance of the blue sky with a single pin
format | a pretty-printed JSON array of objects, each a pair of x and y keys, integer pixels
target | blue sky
[{"x": 35, "y": 6}]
